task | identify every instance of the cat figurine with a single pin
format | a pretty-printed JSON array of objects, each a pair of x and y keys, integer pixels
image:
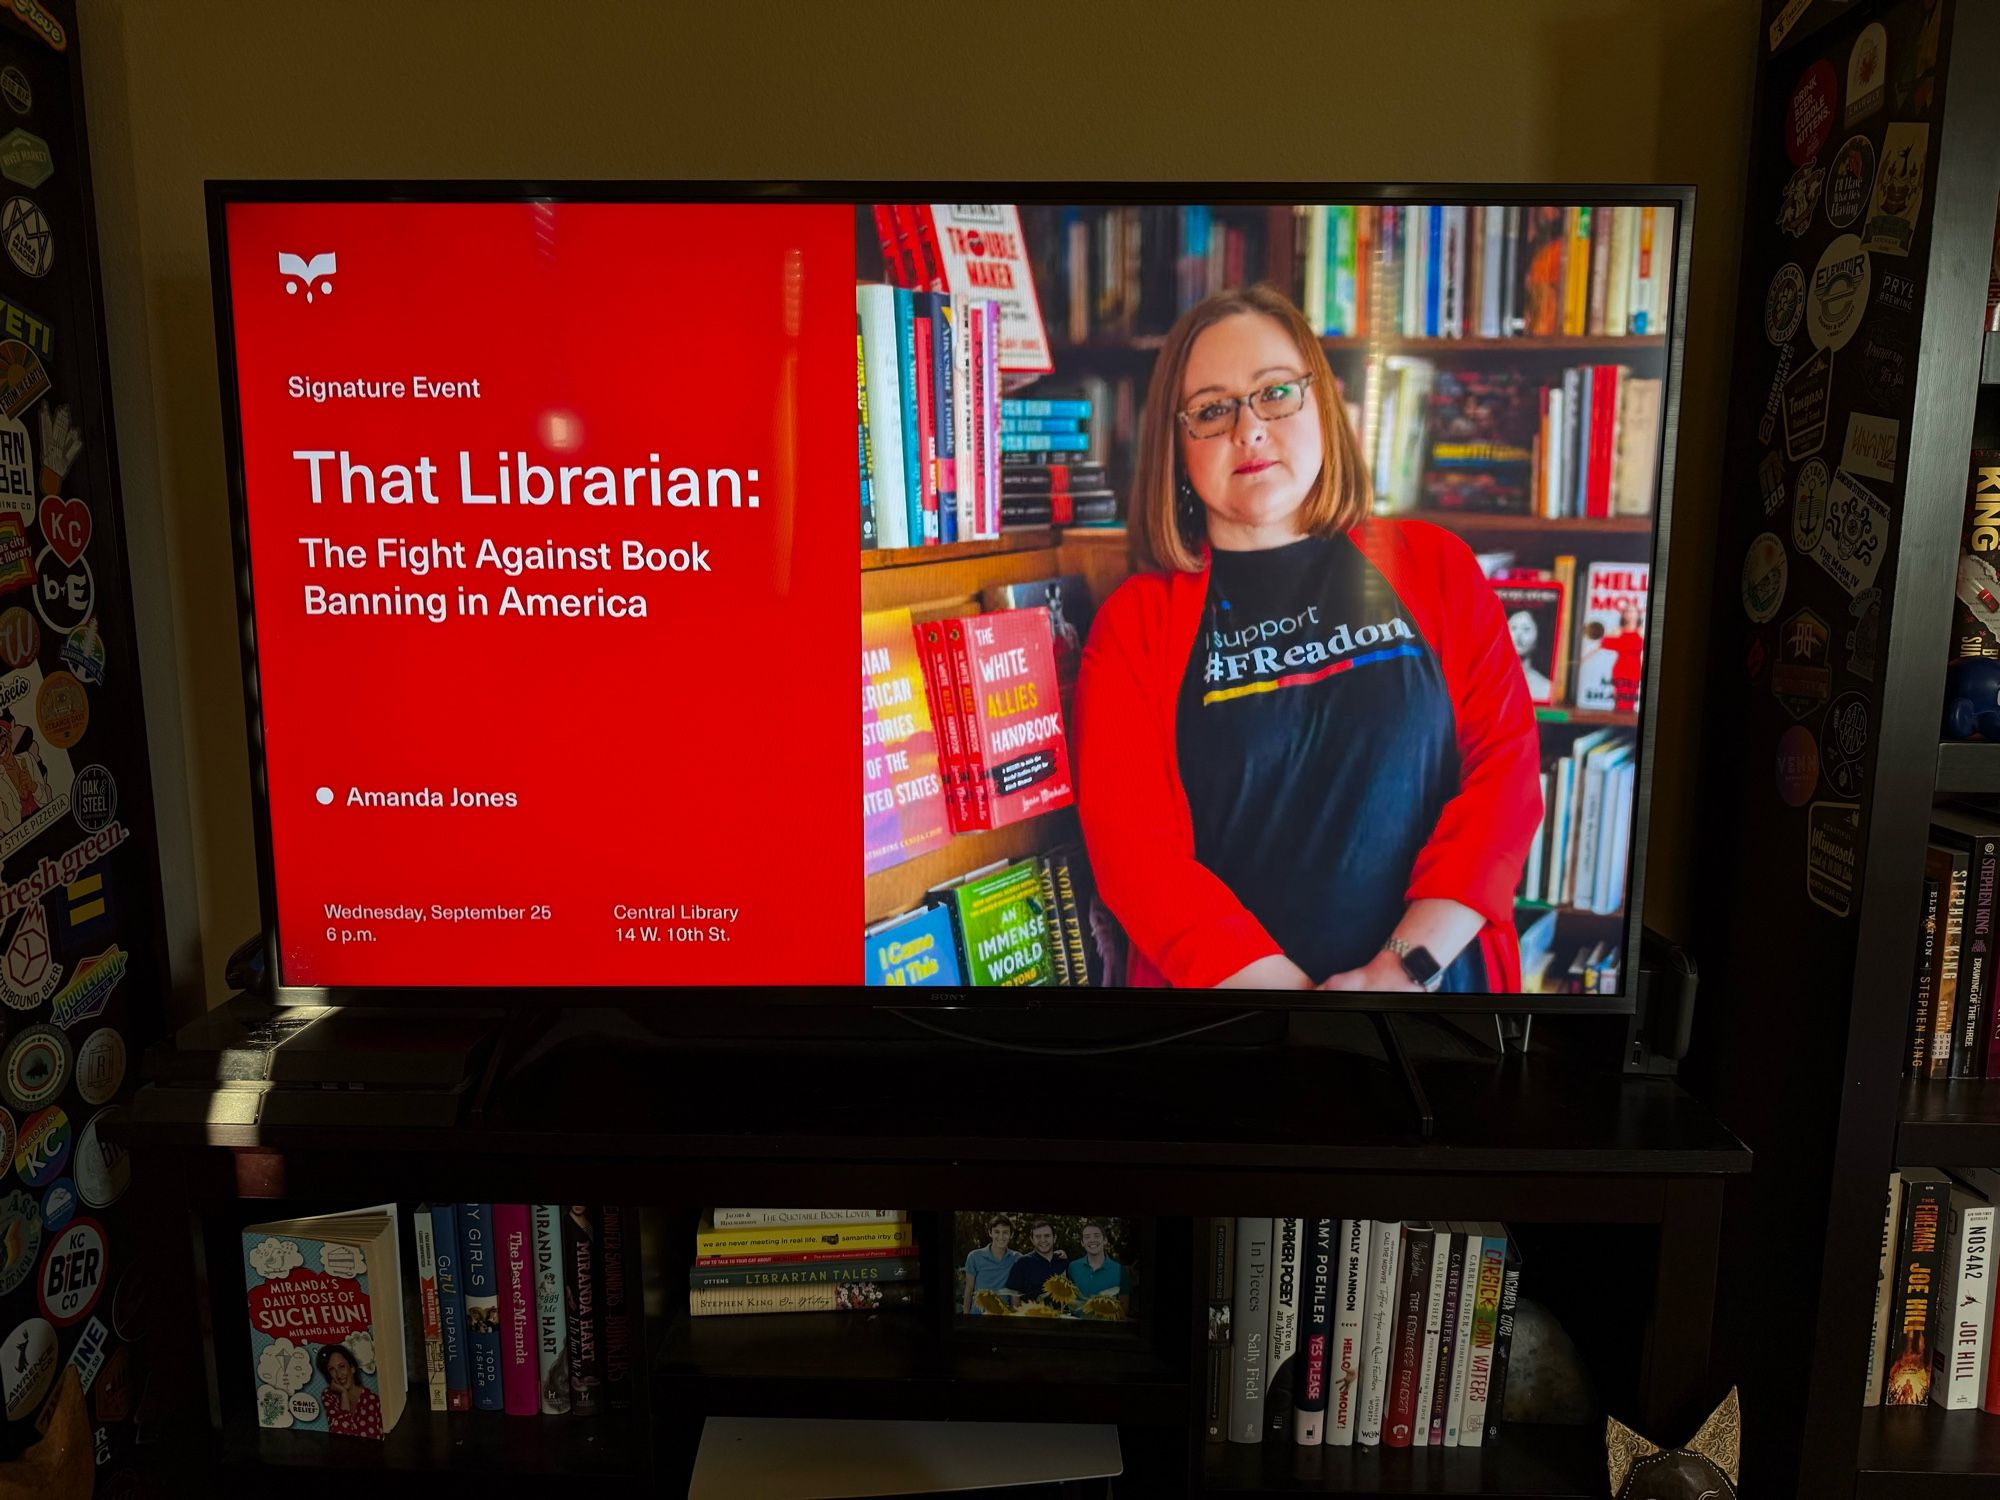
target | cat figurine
[{"x": 1705, "y": 1469}]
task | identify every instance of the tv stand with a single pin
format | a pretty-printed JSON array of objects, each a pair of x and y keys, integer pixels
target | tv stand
[{"x": 1392, "y": 1043}]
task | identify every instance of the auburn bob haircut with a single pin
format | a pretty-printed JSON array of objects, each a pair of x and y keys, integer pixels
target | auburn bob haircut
[{"x": 1166, "y": 533}]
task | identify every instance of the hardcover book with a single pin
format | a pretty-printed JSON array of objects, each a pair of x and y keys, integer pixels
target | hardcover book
[
  {"x": 1482, "y": 426},
  {"x": 1538, "y": 626},
  {"x": 1011, "y": 708},
  {"x": 902, "y": 787},
  {"x": 1965, "y": 1303},
  {"x": 709, "y": 1302},
  {"x": 1979, "y": 838},
  {"x": 1346, "y": 1355},
  {"x": 1067, "y": 602},
  {"x": 520, "y": 1380},
  {"x": 1315, "y": 1333},
  {"x": 1221, "y": 1271},
  {"x": 451, "y": 1309},
  {"x": 1918, "y": 1271},
  {"x": 325, "y": 1304},
  {"x": 1002, "y": 925},
  {"x": 744, "y": 1218},
  {"x": 1949, "y": 867},
  {"x": 1503, "y": 1338},
  {"x": 914, "y": 949},
  {"x": 580, "y": 1309},
  {"x": 480, "y": 1274},
  {"x": 1406, "y": 1361},
  {"x": 1612, "y": 640},
  {"x": 789, "y": 1239},
  {"x": 427, "y": 1301},
  {"x": 1885, "y": 1293},
  {"x": 551, "y": 1336},
  {"x": 615, "y": 1324},
  {"x": 1287, "y": 1264},
  {"x": 1251, "y": 1326},
  {"x": 1975, "y": 624}
]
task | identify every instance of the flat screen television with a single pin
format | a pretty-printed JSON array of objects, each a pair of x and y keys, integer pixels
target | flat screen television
[{"x": 1254, "y": 586}]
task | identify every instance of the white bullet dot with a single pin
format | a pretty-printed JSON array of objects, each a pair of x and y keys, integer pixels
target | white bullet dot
[{"x": 324, "y": 796}]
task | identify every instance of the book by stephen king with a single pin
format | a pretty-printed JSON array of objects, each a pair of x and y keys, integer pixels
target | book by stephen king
[
  {"x": 1003, "y": 926},
  {"x": 326, "y": 1323},
  {"x": 1012, "y": 710},
  {"x": 902, "y": 787},
  {"x": 1975, "y": 619},
  {"x": 1611, "y": 644}
]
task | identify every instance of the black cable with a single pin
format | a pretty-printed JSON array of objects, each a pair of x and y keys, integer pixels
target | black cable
[{"x": 1037, "y": 1050}]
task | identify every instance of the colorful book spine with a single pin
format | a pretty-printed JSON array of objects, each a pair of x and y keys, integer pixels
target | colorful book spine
[
  {"x": 481, "y": 1275},
  {"x": 1485, "y": 1334},
  {"x": 902, "y": 1268},
  {"x": 1923, "y": 986},
  {"x": 987, "y": 312},
  {"x": 1281, "y": 1346},
  {"x": 551, "y": 1353},
  {"x": 1350, "y": 1309},
  {"x": 427, "y": 1301},
  {"x": 514, "y": 1254},
  {"x": 906, "y": 384},
  {"x": 1315, "y": 1334},
  {"x": 1454, "y": 1278},
  {"x": 965, "y": 470},
  {"x": 1250, "y": 1328},
  {"x": 1503, "y": 1340},
  {"x": 1385, "y": 1262},
  {"x": 1399, "y": 1424},
  {"x": 619, "y": 1316},
  {"x": 785, "y": 1218},
  {"x": 789, "y": 1239},
  {"x": 922, "y": 328},
  {"x": 579, "y": 1239},
  {"x": 876, "y": 306},
  {"x": 944, "y": 410},
  {"x": 730, "y": 1262},
  {"x": 451, "y": 1309},
  {"x": 1948, "y": 867},
  {"x": 1918, "y": 1270},
  {"x": 1461, "y": 1360},
  {"x": 865, "y": 463},
  {"x": 1221, "y": 1287}
]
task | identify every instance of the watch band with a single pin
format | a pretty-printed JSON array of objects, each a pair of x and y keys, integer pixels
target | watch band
[{"x": 1425, "y": 972}]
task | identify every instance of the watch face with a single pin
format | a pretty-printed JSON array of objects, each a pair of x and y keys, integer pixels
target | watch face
[{"x": 1420, "y": 966}]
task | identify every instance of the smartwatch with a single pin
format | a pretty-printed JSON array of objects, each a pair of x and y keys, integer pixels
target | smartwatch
[{"x": 1425, "y": 972}]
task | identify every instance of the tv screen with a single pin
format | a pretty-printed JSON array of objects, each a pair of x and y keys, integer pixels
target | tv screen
[{"x": 1259, "y": 592}]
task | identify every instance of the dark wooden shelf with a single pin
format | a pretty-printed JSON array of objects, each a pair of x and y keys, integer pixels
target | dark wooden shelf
[
  {"x": 1472, "y": 523},
  {"x": 1912, "y": 1452},
  {"x": 1949, "y": 1124},
  {"x": 1022, "y": 539},
  {"x": 1968, "y": 766},
  {"x": 1556, "y": 1463}
]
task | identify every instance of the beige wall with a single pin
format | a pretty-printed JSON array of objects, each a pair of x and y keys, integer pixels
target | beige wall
[{"x": 1395, "y": 90}]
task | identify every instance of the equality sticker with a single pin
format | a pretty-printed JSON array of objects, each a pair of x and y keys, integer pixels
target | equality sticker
[
  {"x": 73, "y": 1272},
  {"x": 1807, "y": 395},
  {"x": 1833, "y": 837},
  {"x": 1838, "y": 293},
  {"x": 1801, "y": 679},
  {"x": 1867, "y": 72},
  {"x": 35, "y": 1068},
  {"x": 1809, "y": 119},
  {"x": 1843, "y": 745},
  {"x": 1800, "y": 198},
  {"x": 1784, "y": 304},
  {"x": 1798, "y": 766},
  {"x": 1870, "y": 448},
  {"x": 1899, "y": 189},
  {"x": 1855, "y": 535},
  {"x": 1847, "y": 184},
  {"x": 1808, "y": 505},
  {"x": 1764, "y": 577},
  {"x": 20, "y": 1238}
]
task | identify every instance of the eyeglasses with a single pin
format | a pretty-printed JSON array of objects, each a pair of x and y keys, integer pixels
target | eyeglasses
[{"x": 1272, "y": 403}]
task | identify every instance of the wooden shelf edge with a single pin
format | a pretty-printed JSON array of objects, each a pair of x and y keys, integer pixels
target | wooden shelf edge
[
  {"x": 1025, "y": 539},
  {"x": 1968, "y": 766}
]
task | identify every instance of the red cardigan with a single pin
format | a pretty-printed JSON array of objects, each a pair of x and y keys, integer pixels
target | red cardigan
[{"x": 1186, "y": 927}]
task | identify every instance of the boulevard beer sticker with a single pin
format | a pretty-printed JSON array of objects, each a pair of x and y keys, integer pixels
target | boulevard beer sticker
[
  {"x": 1867, "y": 74},
  {"x": 1784, "y": 304},
  {"x": 1848, "y": 183},
  {"x": 1798, "y": 766},
  {"x": 1809, "y": 120},
  {"x": 1833, "y": 835},
  {"x": 1855, "y": 535},
  {"x": 73, "y": 1273},
  {"x": 1807, "y": 395},
  {"x": 1839, "y": 293},
  {"x": 1870, "y": 448},
  {"x": 87, "y": 994},
  {"x": 1808, "y": 505},
  {"x": 20, "y": 1237},
  {"x": 1800, "y": 677},
  {"x": 1800, "y": 198},
  {"x": 1764, "y": 577},
  {"x": 1899, "y": 189},
  {"x": 1843, "y": 745},
  {"x": 23, "y": 380}
]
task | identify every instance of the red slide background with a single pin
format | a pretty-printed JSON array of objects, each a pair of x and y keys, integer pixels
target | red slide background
[{"x": 705, "y": 754}]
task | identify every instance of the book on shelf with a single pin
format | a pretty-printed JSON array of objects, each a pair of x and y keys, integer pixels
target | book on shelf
[
  {"x": 1924, "y": 983},
  {"x": 618, "y": 1244},
  {"x": 748, "y": 1218},
  {"x": 480, "y": 1275},
  {"x": 864, "y": 446},
  {"x": 1221, "y": 1274},
  {"x": 1611, "y": 635},
  {"x": 452, "y": 1333},
  {"x": 1379, "y": 1328},
  {"x": 1309, "y": 1400},
  {"x": 1984, "y": 1184},
  {"x": 1913, "y": 1319},
  {"x": 773, "y": 1239},
  {"x": 551, "y": 1327},
  {"x": 1885, "y": 1294},
  {"x": 1582, "y": 853},
  {"x": 1250, "y": 1327},
  {"x": 1964, "y": 1302},
  {"x": 1346, "y": 1351},
  {"x": 1949, "y": 866},
  {"x": 1503, "y": 1335},
  {"x": 427, "y": 1300},
  {"x": 1537, "y": 611},
  {"x": 1975, "y": 622},
  {"x": 1282, "y": 1340},
  {"x": 325, "y": 1304},
  {"x": 1001, "y": 922},
  {"x": 1405, "y": 1371},
  {"x": 1461, "y": 1359},
  {"x": 916, "y": 948},
  {"x": 1479, "y": 444},
  {"x": 1066, "y": 601},
  {"x": 520, "y": 1376},
  {"x": 870, "y": 1296},
  {"x": 1434, "y": 1299},
  {"x": 1974, "y": 1039},
  {"x": 800, "y": 1257},
  {"x": 809, "y": 1273},
  {"x": 580, "y": 1307},
  {"x": 1454, "y": 1281},
  {"x": 1010, "y": 710},
  {"x": 905, "y": 812},
  {"x": 1483, "y": 1346}
]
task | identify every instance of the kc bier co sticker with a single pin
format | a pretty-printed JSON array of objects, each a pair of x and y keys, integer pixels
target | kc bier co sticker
[{"x": 73, "y": 1273}]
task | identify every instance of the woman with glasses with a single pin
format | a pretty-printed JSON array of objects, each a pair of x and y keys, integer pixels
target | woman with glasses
[{"x": 1306, "y": 752}]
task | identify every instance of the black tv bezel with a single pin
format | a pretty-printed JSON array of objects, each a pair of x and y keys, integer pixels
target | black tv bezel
[{"x": 221, "y": 194}]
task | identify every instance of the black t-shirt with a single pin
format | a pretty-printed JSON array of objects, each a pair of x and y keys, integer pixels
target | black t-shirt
[{"x": 1318, "y": 746}]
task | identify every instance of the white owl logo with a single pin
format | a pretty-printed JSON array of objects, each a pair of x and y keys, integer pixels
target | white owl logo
[{"x": 298, "y": 271}]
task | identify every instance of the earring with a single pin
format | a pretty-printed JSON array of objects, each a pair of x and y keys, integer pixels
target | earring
[{"x": 1190, "y": 504}]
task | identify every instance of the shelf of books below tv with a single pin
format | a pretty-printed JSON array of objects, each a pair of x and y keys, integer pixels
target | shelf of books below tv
[{"x": 1910, "y": 1452}]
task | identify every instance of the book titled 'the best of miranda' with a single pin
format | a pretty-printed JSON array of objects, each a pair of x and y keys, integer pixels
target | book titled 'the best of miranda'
[{"x": 326, "y": 1323}]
